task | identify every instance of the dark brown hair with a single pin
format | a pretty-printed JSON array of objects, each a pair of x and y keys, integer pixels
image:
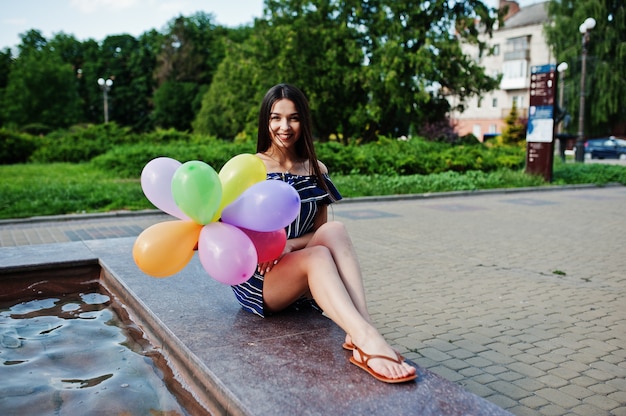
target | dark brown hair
[{"x": 305, "y": 149}]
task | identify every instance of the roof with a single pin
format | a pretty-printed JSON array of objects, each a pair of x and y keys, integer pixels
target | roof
[{"x": 534, "y": 14}]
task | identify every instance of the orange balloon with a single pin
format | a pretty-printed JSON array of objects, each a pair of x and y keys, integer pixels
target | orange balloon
[{"x": 165, "y": 248}]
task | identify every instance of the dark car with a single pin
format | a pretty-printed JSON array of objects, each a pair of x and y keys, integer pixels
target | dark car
[{"x": 606, "y": 147}]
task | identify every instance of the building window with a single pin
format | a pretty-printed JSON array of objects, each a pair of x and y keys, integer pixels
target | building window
[
  {"x": 518, "y": 101},
  {"x": 494, "y": 103},
  {"x": 493, "y": 129},
  {"x": 476, "y": 131},
  {"x": 517, "y": 48},
  {"x": 496, "y": 49}
]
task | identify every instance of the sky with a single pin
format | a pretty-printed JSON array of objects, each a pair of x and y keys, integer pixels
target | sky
[{"x": 97, "y": 19}]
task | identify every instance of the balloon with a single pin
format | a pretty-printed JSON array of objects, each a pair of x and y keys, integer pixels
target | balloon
[
  {"x": 197, "y": 190},
  {"x": 269, "y": 245},
  {"x": 266, "y": 206},
  {"x": 156, "y": 183},
  {"x": 237, "y": 175},
  {"x": 226, "y": 253},
  {"x": 165, "y": 248}
]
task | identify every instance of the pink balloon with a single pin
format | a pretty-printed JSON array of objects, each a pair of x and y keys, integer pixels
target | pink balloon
[
  {"x": 265, "y": 206},
  {"x": 226, "y": 253},
  {"x": 156, "y": 183},
  {"x": 269, "y": 245}
]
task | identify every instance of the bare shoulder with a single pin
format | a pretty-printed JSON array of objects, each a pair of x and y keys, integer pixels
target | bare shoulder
[{"x": 322, "y": 166}]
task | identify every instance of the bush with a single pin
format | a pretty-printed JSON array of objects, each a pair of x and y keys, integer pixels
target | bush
[
  {"x": 15, "y": 147},
  {"x": 417, "y": 156},
  {"x": 128, "y": 161},
  {"x": 596, "y": 173},
  {"x": 80, "y": 143}
]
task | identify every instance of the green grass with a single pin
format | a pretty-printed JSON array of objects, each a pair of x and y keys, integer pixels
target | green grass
[
  {"x": 30, "y": 190},
  {"x": 63, "y": 188}
]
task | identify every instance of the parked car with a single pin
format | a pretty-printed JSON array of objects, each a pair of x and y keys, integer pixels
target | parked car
[{"x": 605, "y": 147}]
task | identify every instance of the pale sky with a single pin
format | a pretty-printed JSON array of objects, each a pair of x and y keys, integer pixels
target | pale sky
[{"x": 97, "y": 19}]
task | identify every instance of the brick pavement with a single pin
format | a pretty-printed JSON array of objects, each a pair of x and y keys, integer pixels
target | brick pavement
[{"x": 516, "y": 296}]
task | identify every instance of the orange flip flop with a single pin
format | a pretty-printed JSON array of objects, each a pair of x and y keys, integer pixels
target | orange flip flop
[
  {"x": 366, "y": 357},
  {"x": 350, "y": 347}
]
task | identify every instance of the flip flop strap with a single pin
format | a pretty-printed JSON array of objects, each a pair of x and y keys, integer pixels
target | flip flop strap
[{"x": 366, "y": 357}]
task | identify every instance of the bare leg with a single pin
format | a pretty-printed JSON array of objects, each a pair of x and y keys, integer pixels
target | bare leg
[
  {"x": 334, "y": 236},
  {"x": 313, "y": 269}
]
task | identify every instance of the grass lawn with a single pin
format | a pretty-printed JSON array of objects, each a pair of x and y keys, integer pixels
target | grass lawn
[{"x": 30, "y": 190}]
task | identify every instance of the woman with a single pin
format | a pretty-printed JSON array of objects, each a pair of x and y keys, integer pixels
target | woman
[{"x": 319, "y": 259}]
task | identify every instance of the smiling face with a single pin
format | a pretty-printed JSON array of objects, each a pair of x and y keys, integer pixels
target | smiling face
[{"x": 284, "y": 124}]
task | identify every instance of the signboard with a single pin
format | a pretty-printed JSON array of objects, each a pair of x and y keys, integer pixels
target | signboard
[{"x": 540, "y": 130}]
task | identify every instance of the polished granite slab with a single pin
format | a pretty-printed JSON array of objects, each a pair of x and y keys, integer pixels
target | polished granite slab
[{"x": 236, "y": 363}]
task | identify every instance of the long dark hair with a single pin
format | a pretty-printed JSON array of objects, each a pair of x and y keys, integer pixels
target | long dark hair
[{"x": 305, "y": 148}]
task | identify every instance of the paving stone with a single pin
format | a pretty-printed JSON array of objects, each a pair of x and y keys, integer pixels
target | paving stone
[
  {"x": 558, "y": 397},
  {"x": 587, "y": 410},
  {"x": 601, "y": 402},
  {"x": 470, "y": 304},
  {"x": 552, "y": 410},
  {"x": 509, "y": 390},
  {"x": 534, "y": 402}
]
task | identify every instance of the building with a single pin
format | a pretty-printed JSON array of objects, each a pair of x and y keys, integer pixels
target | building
[{"x": 518, "y": 45}]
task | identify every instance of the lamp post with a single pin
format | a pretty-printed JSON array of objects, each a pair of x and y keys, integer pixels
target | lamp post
[
  {"x": 105, "y": 86},
  {"x": 561, "y": 68},
  {"x": 584, "y": 29}
]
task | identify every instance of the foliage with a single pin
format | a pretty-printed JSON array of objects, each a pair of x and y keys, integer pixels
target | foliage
[
  {"x": 605, "y": 89},
  {"x": 515, "y": 131},
  {"x": 231, "y": 104},
  {"x": 63, "y": 188},
  {"x": 385, "y": 64},
  {"x": 42, "y": 89},
  {"x": 15, "y": 147},
  {"x": 353, "y": 186},
  {"x": 173, "y": 105},
  {"x": 128, "y": 161},
  {"x": 584, "y": 173},
  {"x": 80, "y": 143}
]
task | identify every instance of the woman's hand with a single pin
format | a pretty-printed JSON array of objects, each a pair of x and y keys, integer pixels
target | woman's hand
[{"x": 269, "y": 265}]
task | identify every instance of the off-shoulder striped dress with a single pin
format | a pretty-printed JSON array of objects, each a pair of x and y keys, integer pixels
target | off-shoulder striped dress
[{"x": 312, "y": 196}]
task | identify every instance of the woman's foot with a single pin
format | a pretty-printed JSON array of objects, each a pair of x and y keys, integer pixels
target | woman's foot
[{"x": 382, "y": 361}]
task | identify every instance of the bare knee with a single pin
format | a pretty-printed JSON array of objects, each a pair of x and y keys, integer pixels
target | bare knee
[{"x": 332, "y": 229}]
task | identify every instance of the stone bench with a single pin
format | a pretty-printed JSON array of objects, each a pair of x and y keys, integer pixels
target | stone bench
[{"x": 235, "y": 363}]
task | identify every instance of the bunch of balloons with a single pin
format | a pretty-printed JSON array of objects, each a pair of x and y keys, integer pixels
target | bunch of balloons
[{"x": 235, "y": 219}]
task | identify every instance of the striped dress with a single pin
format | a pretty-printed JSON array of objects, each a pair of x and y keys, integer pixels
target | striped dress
[{"x": 250, "y": 293}]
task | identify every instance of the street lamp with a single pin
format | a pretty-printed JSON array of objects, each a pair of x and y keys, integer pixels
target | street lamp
[
  {"x": 584, "y": 29},
  {"x": 105, "y": 86},
  {"x": 561, "y": 68}
]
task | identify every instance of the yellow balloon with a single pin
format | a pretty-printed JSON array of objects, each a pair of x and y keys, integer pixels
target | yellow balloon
[
  {"x": 165, "y": 248},
  {"x": 237, "y": 175}
]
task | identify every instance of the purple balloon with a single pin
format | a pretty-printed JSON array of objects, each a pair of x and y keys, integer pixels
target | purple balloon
[
  {"x": 156, "y": 183},
  {"x": 226, "y": 253},
  {"x": 265, "y": 206}
]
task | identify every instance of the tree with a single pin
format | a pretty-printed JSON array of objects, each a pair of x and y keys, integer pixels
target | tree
[
  {"x": 43, "y": 90},
  {"x": 230, "y": 106},
  {"x": 190, "y": 53},
  {"x": 369, "y": 68},
  {"x": 515, "y": 130},
  {"x": 605, "y": 91}
]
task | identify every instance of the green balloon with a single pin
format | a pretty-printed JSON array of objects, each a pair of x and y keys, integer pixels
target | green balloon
[{"x": 197, "y": 191}]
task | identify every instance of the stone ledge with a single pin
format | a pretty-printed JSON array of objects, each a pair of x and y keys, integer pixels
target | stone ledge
[{"x": 286, "y": 364}]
